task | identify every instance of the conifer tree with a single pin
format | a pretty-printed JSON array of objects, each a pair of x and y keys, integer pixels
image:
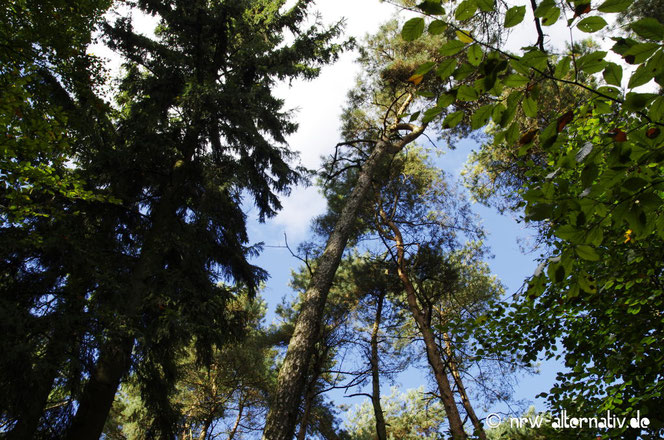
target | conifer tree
[{"x": 196, "y": 128}]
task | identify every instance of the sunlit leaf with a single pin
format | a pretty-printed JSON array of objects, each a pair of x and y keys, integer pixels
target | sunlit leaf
[
  {"x": 591, "y": 24},
  {"x": 413, "y": 29},
  {"x": 464, "y": 36},
  {"x": 437, "y": 27},
  {"x": 614, "y": 5},
  {"x": 416, "y": 79},
  {"x": 514, "y": 16},
  {"x": 465, "y": 10}
]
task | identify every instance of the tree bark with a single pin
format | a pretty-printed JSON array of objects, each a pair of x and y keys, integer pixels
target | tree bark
[
  {"x": 282, "y": 416},
  {"x": 454, "y": 368},
  {"x": 381, "y": 430},
  {"x": 114, "y": 359},
  {"x": 236, "y": 425},
  {"x": 433, "y": 354},
  {"x": 95, "y": 403}
]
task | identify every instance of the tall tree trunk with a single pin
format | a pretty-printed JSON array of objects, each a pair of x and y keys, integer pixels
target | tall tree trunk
[
  {"x": 433, "y": 354},
  {"x": 304, "y": 421},
  {"x": 381, "y": 430},
  {"x": 454, "y": 368},
  {"x": 282, "y": 416},
  {"x": 98, "y": 394},
  {"x": 114, "y": 359},
  {"x": 310, "y": 394}
]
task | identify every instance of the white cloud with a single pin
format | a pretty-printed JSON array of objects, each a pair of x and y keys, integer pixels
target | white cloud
[
  {"x": 319, "y": 103},
  {"x": 295, "y": 218}
]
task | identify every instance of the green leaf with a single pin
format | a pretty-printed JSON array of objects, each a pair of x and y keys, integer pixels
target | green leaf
[
  {"x": 586, "y": 282},
  {"x": 540, "y": 211},
  {"x": 520, "y": 67},
  {"x": 641, "y": 51},
  {"x": 613, "y": 74},
  {"x": 595, "y": 236},
  {"x": 544, "y": 7},
  {"x": 514, "y": 16},
  {"x": 587, "y": 252},
  {"x": 431, "y": 114},
  {"x": 614, "y": 5},
  {"x": 446, "y": 68},
  {"x": 555, "y": 272},
  {"x": 452, "y": 47},
  {"x": 425, "y": 68},
  {"x": 432, "y": 7},
  {"x": 637, "y": 101},
  {"x": 529, "y": 106},
  {"x": 413, "y": 29},
  {"x": 562, "y": 68},
  {"x": 445, "y": 100},
  {"x": 481, "y": 116},
  {"x": 437, "y": 27},
  {"x": 512, "y": 133},
  {"x": 486, "y": 5},
  {"x": 592, "y": 62},
  {"x": 497, "y": 113},
  {"x": 535, "y": 58},
  {"x": 425, "y": 93},
  {"x": 513, "y": 101},
  {"x": 475, "y": 54},
  {"x": 569, "y": 233},
  {"x": 467, "y": 93},
  {"x": 515, "y": 80},
  {"x": 591, "y": 24},
  {"x": 656, "y": 63},
  {"x": 464, "y": 71},
  {"x": 622, "y": 45},
  {"x": 634, "y": 183},
  {"x": 589, "y": 174},
  {"x": 453, "y": 119},
  {"x": 465, "y": 10},
  {"x": 548, "y": 12},
  {"x": 551, "y": 17},
  {"x": 656, "y": 111},
  {"x": 641, "y": 76},
  {"x": 648, "y": 28}
]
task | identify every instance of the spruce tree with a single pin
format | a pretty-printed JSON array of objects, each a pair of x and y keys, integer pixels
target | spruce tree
[{"x": 195, "y": 133}]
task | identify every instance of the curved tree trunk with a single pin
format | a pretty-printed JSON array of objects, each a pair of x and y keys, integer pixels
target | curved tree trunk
[
  {"x": 282, "y": 416},
  {"x": 454, "y": 368},
  {"x": 238, "y": 419},
  {"x": 381, "y": 429},
  {"x": 433, "y": 354}
]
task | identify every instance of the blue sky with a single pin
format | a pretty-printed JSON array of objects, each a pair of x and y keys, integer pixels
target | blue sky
[{"x": 318, "y": 105}]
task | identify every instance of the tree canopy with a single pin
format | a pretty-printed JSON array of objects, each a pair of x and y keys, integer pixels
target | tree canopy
[{"x": 130, "y": 303}]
